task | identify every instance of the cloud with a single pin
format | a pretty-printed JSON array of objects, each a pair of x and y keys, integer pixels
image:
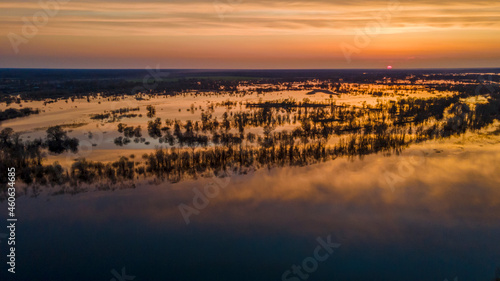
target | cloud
[
  {"x": 454, "y": 188},
  {"x": 255, "y": 34},
  {"x": 152, "y": 18}
]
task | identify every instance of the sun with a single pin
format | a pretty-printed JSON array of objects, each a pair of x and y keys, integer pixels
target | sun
[{"x": 389, "y": 67}]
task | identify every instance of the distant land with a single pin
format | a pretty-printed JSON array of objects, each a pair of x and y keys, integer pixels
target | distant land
[{"x": 49, "y": 73}]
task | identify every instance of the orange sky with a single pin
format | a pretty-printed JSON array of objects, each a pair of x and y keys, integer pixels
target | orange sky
[{"x": 251, "y": 34}]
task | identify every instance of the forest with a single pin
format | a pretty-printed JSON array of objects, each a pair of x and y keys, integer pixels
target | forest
[{"x": 263, "y": 134}]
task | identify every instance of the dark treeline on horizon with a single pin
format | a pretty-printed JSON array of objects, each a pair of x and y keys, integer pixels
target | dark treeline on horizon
[{"x": 40, "y": 84}]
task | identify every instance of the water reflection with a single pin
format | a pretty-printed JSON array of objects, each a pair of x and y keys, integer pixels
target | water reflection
[{"x": 439, "y": 222}]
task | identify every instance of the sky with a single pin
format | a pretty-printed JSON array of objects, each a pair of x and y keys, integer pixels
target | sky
[{"x": 249, "y": 34}]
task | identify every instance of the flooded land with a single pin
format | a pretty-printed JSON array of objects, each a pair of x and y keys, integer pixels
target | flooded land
[{"x": 240, "y": 174}]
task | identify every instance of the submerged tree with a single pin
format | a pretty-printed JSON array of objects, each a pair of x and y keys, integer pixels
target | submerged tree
[
  {"x": 58, "y": 141},
  {"x": 151, "y": 111}
]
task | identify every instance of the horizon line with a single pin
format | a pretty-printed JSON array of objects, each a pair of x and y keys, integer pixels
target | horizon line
[{"x": 251, "y": 69}]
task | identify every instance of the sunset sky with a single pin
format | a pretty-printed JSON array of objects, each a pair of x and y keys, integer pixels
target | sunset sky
[{"x": 251, "y": 34}]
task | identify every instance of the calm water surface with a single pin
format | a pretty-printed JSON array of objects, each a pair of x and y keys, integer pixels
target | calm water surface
[{"x": 440, "y": 219}]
